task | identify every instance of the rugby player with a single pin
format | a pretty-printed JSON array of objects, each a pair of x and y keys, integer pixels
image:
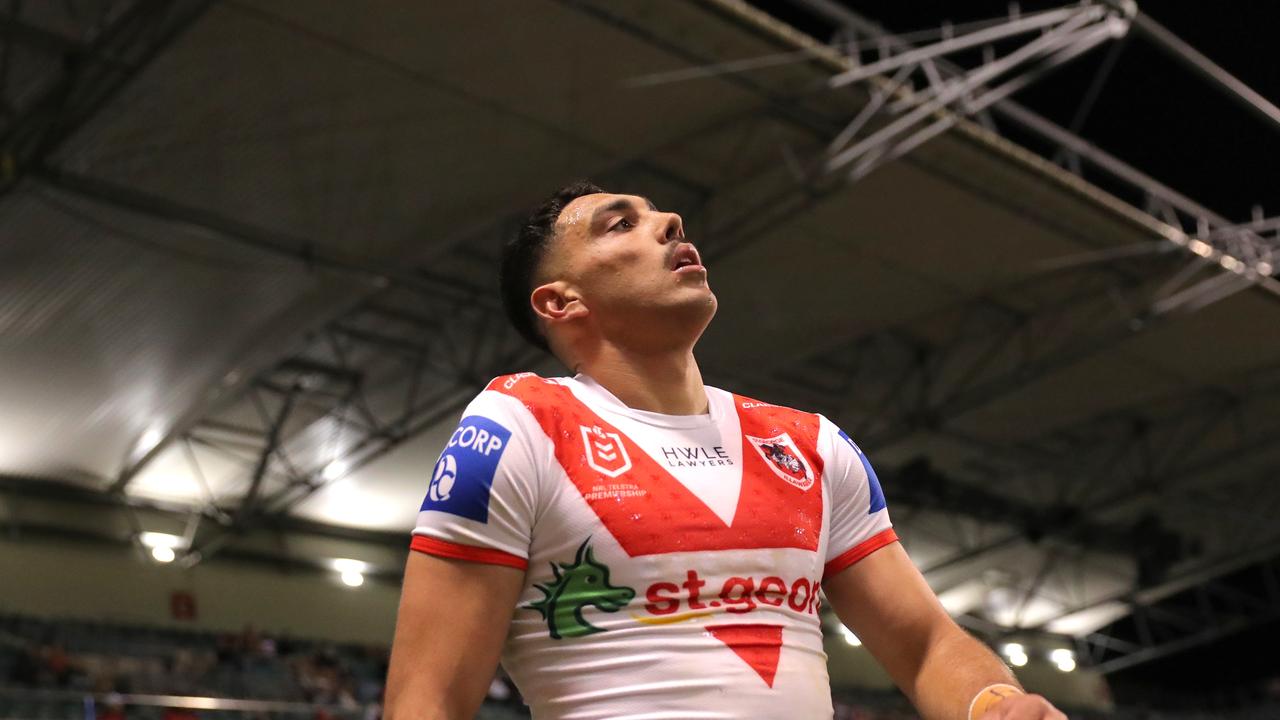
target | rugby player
[{"x": 636, "y": 544}]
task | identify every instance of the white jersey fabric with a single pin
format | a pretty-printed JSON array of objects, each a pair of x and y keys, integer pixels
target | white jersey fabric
[{"x": 673, "y": 563}]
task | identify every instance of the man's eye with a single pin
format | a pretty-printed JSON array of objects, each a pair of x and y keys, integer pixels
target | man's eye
[{"x": 623, "y": 224}]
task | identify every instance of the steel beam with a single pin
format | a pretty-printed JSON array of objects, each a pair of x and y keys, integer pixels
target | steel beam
[
  {"x": 1211, "y": 609},
  {"x": 433, "y": 385},
  {"x": 272, "y": 446},
  {"x": 1019, "y": 26},
  {"x": 375, "y": 278},
  {"x": 1256, "y": 255},
  {"x": 1178, "y": 49},
  {"x": 92, "y": 74},
  {"x": 1127, "y": 484}
]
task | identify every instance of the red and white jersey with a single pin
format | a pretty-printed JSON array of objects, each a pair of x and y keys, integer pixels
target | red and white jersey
[{"x": 673, "y": 562}]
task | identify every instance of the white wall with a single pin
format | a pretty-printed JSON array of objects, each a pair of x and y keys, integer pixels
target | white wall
[{"x": 114, "y": 583}]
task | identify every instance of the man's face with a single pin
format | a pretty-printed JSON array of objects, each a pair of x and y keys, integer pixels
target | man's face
[{"x": 629, "y": 264}]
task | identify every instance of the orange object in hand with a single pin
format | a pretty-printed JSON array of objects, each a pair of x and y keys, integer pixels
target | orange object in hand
[{"x": 989, "y": 697}]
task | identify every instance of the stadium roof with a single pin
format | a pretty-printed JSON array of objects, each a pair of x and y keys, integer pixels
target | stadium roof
[{"x": 249, "y": 275}]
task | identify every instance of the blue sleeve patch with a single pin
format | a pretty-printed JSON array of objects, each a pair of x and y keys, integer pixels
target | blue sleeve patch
[
  {"x": 464, "y": 473},
  {"x": 877, "y": 495}
]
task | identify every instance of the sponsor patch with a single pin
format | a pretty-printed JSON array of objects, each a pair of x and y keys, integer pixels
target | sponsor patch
[{"x": 463, "y": 476}]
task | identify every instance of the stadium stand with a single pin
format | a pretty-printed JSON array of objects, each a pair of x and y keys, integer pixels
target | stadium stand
[{"x": 87, "y": 670}]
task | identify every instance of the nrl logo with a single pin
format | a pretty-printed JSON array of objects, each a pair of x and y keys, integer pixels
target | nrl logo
[
  {"x": 605, "y": 452},
  {"x": 583, "y": 582},
  {"x": 784, "y": 459}
]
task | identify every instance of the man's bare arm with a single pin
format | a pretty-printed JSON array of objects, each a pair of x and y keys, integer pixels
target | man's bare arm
[
  {"x": 453, "y": 619},
  {"x": 885, "y": 600}
]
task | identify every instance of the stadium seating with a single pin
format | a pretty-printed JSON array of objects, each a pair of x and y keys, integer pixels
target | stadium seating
[{"x": 75, "y": 669}]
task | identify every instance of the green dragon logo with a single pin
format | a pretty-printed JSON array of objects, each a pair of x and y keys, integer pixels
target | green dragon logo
[{"x": 583, "y": 582}]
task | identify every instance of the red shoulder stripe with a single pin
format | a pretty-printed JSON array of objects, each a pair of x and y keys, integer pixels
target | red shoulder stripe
[
  {"x": 455, "y": 551},
  {"x": 859, "y": 551}
]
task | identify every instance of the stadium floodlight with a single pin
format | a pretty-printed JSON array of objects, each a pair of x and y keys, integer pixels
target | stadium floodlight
[
  {"x": 150, "y": 438},
  {"x": 1228, "y": 263},
  {"x": 159, "y": 539},
  {"x": 163, "y": 546},
  {"x": 351, "y": 571},
  {"x": 849, "y": 637},
  {"x": 334, "y": 470},
  {"x": 1063, "y": 658},
  {"x": 1015, "y": 653},
  {"x": 343, "y": 565}
]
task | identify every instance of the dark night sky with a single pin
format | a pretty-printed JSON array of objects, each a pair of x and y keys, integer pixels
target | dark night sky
[
  {"x": 1153, "y": 112},
  {"x": 1162, "y": 118}
]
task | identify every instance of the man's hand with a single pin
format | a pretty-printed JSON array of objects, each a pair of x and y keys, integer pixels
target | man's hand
[
  {"x": 1023, "y": 707},
  {"x": 886, "y": 601}
]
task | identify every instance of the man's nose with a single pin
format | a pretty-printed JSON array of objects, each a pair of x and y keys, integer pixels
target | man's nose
[{"x": 673, "y": 231}]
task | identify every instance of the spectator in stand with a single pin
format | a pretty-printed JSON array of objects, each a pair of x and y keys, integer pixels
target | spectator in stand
[
  {"x": 26, "y": 668},
  {"x": 346, "y": 696},
  {"x": 59, "y": 665},
  {"x": 112, "y": 708},
  {"x": 250, "y": 641},
  {"x": 373, "y": 711},
  {"x": 228, "y": 650}
]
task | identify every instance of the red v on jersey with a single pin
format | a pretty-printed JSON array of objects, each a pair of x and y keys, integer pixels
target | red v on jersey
[
  {"x": 758, "y": 645},
  {"x": 650, "y": 512}
]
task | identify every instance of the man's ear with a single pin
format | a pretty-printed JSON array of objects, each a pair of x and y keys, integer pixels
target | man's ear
[{"x": 557, "y": 302}]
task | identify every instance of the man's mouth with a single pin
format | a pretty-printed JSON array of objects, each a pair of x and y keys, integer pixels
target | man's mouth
[{"x": 686, "y": 259}]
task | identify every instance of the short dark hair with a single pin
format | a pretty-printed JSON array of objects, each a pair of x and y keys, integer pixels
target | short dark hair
[{"x": 523, "y": 254}]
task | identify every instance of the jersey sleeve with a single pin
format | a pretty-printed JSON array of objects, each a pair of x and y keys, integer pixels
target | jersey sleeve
[
  {"x": 483, "y": 491},
  {"x": 859, "y": 516}
]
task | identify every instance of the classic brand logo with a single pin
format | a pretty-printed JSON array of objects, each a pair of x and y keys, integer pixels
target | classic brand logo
[
  {"x": 576, "y": 585},
  {"x": 605, "y": 451},
  {"x": 511, "y": 381},
  {"x": 692, "y": 456},
  {"x": 784, "y": 458}
]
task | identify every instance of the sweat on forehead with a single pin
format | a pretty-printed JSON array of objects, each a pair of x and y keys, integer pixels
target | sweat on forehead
[{"x": 584, "y": 209}]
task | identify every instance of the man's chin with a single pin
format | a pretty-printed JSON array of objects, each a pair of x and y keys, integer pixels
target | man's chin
[
  {"x": 700, "y": 301},
  {"x": 694, "y": 310}
]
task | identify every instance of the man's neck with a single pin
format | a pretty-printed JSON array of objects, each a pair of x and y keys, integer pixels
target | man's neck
[{"x": 667, "y": 383}]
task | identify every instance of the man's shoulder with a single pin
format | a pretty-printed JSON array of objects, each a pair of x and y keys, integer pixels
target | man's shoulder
[
  {"x": 515, "y": 383},
  {"x": 513, "y": 402},
  {"x": 744, "y": 403},
  {"x": 530, "y": 389}
]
